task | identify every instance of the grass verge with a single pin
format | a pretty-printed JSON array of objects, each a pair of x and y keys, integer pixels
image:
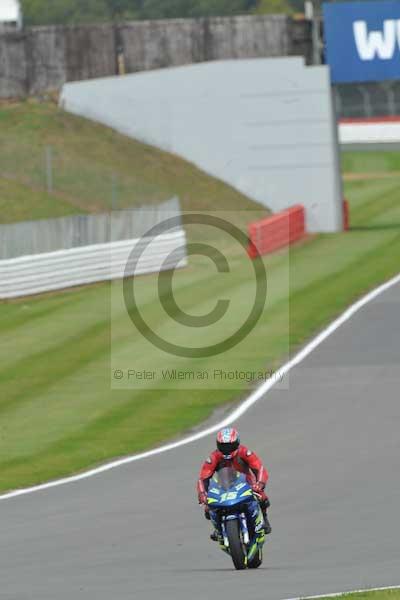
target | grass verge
[{"x": 393, "y": 594}]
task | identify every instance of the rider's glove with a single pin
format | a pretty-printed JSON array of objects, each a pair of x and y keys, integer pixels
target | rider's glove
[
  {"x": 203, "y": 498},
  {"x": 258, "y": 487}
]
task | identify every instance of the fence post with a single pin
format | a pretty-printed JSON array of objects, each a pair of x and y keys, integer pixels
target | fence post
[
  {"x": 49, "y": 169},
  {"x": 391, "y": 98},
  {"x": 114, "y": 204},
  {"x": 366, "y": 101},
  {"x": 114, "y": 192},
  {"x": 338, "y": 103}
]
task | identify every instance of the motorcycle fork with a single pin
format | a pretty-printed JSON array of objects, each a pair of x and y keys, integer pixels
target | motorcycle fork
[
  {"x": 244, "y": 528},
  {"x": 224, "y": 534}
]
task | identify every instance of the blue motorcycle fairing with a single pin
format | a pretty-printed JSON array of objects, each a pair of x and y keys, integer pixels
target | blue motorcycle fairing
[{"x": 226, "y": 496}]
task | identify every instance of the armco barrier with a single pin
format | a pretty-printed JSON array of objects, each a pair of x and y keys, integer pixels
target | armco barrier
[
  {"x": 277, "y": 231},
  {"x": 28, "y": 275}
]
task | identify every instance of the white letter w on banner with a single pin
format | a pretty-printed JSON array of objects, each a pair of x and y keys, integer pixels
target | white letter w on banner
[{"x": 375, "y": 43}]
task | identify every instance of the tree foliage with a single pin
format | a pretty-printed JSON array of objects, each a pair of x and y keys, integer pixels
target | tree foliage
[
  {"x": 42, "y": 12},
  {"x": 273, "y": 7},
  {"x": 38, "y": 12}
]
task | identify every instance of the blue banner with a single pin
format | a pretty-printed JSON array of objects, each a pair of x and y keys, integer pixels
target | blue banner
[{"x": 362, "y": 40}]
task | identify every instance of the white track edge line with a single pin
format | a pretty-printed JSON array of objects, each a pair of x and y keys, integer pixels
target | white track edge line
[
  {"x": 338, "y": 594},
  {"x": 233, "y": 416}
]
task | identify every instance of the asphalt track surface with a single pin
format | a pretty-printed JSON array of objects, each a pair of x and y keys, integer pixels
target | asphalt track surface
[{"x": 332, "y": 444}]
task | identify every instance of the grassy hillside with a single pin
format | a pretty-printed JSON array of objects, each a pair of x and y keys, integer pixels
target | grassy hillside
[
  {"x": 59, "y": 411},
  {"x": 94, "y": 168}
]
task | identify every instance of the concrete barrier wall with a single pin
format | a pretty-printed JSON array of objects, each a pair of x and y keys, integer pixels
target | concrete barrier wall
[
  {"x": 44, "y": 58},
  {"x": 42, "y": 236},
  {"x": 245, "y": 121}
]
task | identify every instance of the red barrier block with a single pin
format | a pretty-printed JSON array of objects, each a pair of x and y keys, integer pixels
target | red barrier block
[
  {"x": 346, "y": 215},
  {"x": 277, "y": 231}
]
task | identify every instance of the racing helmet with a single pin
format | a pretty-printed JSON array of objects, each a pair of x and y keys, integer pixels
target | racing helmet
[{"x": 228, "y": 442}]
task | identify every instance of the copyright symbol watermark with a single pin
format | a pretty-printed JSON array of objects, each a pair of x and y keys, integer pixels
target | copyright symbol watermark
[{"x": 166, "y": 295}]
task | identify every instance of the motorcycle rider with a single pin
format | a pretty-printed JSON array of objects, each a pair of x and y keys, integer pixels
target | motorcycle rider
[{"x": 230, "y": 452}]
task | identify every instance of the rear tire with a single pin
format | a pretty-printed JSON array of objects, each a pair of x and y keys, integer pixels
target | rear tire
[{"x": 235, "y": 544}]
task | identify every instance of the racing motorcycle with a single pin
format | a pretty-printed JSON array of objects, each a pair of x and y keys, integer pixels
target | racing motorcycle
[{"x": 237, "y": 517}]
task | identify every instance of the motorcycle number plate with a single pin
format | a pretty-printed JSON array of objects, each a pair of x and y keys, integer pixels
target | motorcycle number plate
[{"x": 229, "y": 496}]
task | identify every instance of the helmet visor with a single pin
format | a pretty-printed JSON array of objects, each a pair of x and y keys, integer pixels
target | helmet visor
[{"x": 228, "y": 448}]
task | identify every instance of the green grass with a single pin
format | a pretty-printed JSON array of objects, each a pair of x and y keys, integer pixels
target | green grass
[
  {"x": 377, "y": 595},
  {"x": 371, "y": 162},
  {"x": 58, "y": 412},
  {"x": 19, "y": 202}
]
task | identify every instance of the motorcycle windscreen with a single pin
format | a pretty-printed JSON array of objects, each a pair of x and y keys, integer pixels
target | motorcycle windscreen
[{"x": 228, "y": 477}]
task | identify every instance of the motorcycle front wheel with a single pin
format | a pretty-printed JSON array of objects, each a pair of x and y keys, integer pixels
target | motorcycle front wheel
[
  {"x": 235, "y": 544},
  {"x": 256, "y": 561}
]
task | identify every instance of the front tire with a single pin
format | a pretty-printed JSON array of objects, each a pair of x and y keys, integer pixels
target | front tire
[
  {"x": 235, "y": 544},
  {"x": 256, "y": 561}
]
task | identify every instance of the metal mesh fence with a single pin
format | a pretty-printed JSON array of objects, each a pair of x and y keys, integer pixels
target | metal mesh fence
[
  {"x": 366, "y": 100},
  {"x": 49, "y": 235},
  {"x": 82, "y": 183}
]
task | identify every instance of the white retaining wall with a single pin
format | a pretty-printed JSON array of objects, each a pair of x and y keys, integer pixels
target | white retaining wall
[
  {"x": 28, "y": 275},
  {"x": 373, "y": 132},
  {"x": 265, "y": 126}
]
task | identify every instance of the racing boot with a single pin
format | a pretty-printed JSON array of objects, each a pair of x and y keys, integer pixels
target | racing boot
[
  {"x": 214, "y": 536},
  {"x": 267, "y": 525}
]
